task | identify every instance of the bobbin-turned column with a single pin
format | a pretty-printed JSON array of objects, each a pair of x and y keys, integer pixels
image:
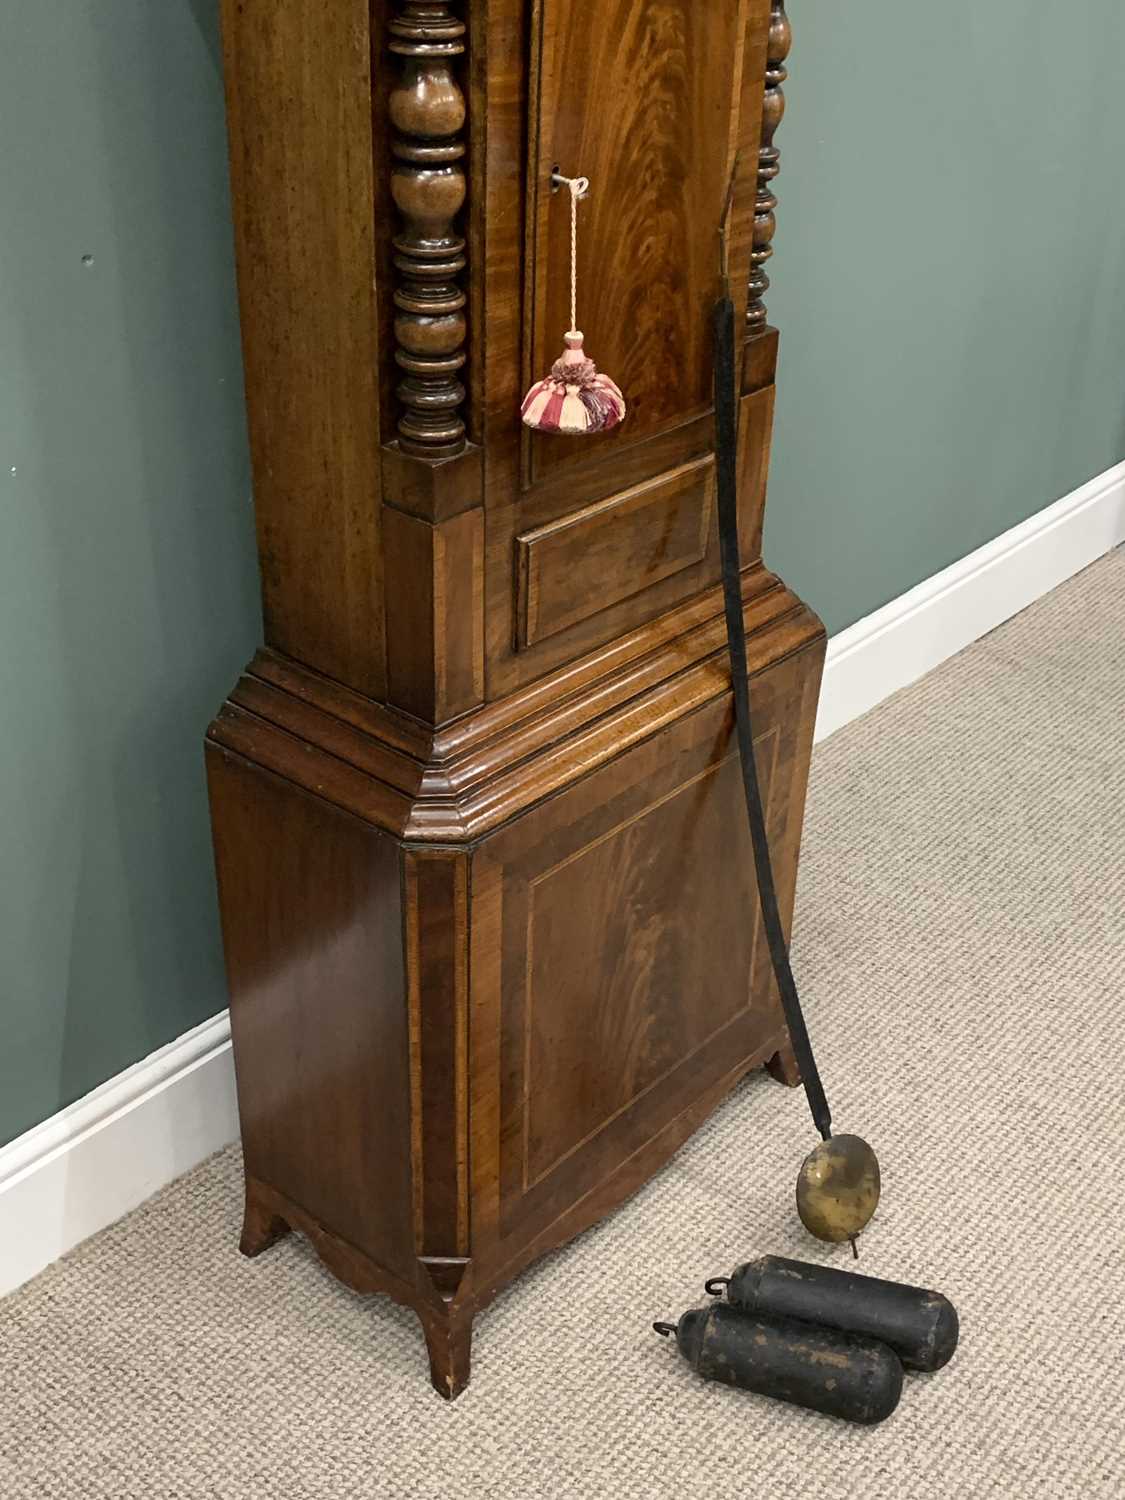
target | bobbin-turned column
[
  {"x": 427, "y": 109},
  {"x": 433, "y": 520},
  {"x": 769, "y": 165}
]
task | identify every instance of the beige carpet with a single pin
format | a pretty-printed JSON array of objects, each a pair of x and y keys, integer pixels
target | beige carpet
[{"x": 962, "y": 944}]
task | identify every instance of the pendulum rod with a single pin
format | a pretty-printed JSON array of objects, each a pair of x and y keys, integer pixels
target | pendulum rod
[{"x": 726, "y": 445}]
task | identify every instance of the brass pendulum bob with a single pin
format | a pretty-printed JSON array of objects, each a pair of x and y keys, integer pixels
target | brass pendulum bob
[
  {"x": 838, "y": 1189},
  {"x": 838, "y": 1185}
]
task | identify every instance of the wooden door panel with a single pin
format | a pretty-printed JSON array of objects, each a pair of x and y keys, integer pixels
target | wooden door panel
[
  {"x": 617, "y": 966},
  {"x": 616, "y": 85},
  {"x": 577, "y": 566},
  {"x": 620, "y": 997},
  {"x": 619, "y": 993},
  {"x": 654, "y": 101}
]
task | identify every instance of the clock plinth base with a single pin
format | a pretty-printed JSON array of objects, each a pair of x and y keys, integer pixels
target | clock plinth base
[{"x": 486, "y": 980}]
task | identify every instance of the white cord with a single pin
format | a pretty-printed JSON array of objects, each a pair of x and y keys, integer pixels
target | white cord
[{"x": 579, "y": 187}]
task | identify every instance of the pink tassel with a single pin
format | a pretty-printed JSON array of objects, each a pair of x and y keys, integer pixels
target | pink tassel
[{"x": 574, "y": 398}]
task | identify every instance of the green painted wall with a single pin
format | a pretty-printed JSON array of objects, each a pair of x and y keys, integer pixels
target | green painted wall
[
  {"x": 950, "y": 280},
  {"x": 127, "y": 586}
]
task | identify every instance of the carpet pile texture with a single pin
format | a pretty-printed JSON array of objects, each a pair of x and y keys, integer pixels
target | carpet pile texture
[{"x": 960, "y": 939}]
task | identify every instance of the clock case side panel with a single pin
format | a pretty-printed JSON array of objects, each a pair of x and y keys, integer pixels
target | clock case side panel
[
  {"x": 298, "y": 91},
  {"x": 347, "y": 961},
  {"x": 312, "y": 928}
]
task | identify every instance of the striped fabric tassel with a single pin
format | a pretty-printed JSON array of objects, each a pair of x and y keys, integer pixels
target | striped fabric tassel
[{"x": 574, "y": 399}]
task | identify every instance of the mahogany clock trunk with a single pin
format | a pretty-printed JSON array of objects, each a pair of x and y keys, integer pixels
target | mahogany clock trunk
[{"x": 487, "y": 893}]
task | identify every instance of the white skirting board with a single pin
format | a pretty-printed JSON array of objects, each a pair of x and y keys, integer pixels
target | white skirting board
[
  {"x": 927, "y": 625},
  {"x": 93, "y": 1162}
]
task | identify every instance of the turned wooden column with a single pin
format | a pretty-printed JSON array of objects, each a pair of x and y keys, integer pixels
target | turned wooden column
[
  {"x": 427, "y": 109},
  {"x": 769, "y": 164},
  {"x": 433, "y": 518}
]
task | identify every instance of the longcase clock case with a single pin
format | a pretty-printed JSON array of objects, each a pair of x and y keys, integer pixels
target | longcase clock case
[{"x": 486, "y": 887}]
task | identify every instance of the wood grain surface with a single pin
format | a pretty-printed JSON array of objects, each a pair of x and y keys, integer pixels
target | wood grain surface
[
  {"x": 593, "y": 558},
  {"x": 660, "y": 100},
  {"x": 488, "y": 904},
  {"x": 643, "y": 98},
  {"x": 299, "y": 123}
]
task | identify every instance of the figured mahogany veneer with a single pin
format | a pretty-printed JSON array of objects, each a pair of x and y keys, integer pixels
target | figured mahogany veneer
[
  {"x": 487, "y": 895},
  {"x": 585, "y": 562}
]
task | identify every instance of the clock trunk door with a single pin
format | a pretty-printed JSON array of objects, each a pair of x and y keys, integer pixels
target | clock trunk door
[{"x": 657, "y": 102}]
